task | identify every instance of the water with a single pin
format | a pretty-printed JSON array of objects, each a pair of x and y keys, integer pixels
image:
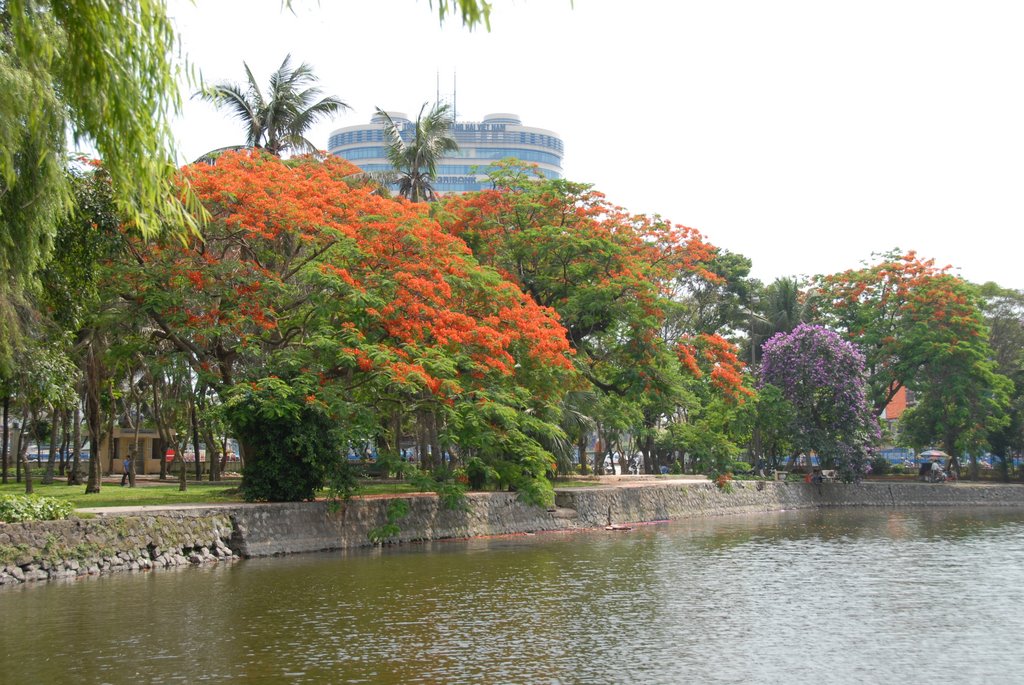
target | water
[{"x": 851, "y": 596}]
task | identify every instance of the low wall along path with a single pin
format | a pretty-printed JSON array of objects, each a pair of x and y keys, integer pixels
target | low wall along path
[{"x": 152, "y": 538}]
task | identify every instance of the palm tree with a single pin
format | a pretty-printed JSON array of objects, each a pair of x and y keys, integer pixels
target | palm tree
[
  {"x": 276, "y": 121},
  {"x": 784, "y": 305},
  {"x": 787, "y": 305},
  {"x": 415, "y": 160}
]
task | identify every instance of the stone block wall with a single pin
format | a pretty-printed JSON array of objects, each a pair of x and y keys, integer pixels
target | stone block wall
[
  {"x": 44, "y": 550},
  {"x": 147, "y": 540}
]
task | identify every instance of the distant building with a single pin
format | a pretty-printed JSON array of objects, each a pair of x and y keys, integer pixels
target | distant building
[
  {"x": 903, "y": 399},
  {"x": 497, "y": 137}
]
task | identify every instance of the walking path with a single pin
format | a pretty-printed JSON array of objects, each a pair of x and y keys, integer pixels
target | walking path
[{"x": 620, "y": 481}]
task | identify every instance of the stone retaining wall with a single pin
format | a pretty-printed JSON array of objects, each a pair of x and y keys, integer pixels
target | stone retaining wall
[
  {"x": 263, "y": 530},
  {"x": 145, "y": 540},
  {"x": 44, "y": 550}
]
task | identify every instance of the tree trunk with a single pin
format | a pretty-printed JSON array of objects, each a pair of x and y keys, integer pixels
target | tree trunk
[
  {"x": 224, "y": 455},
  {"x": 94, "y": 417},
  {"x": 163, "y": 460},
  {"x": 51, "y": 458},
  {"x": 650, "y": 463},
  {"x": 242, "y": 455},
  {"x": 74, "y": 473},
  {"x": 396, "y": 428},
  {"x": 4, "y": 450},
  {"x": 24, "y": 453},
  {"x": 435, "y": 442},
  {"x": 195, "y": 434},
  {"x": 133, "y": 454},
  {"x": 599, "y": 453},
  {"x": 581, "y": 453},
  {"x": 65, "y": 441},
  {"x": 421, "y": 442},
  {"x": 23, "y": 435},
  {"x": 212, "y": 454},
  {"x": 213, "y": 463},
  {"x": 180, "y": 458}
]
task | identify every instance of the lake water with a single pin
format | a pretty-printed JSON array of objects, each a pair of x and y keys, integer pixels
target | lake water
[{"x": 853, "y": 596}]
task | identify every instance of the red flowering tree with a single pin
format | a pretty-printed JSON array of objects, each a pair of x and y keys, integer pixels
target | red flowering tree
[
  {"x": 609, "y": 274},
  {"x": 716, "y": 423},
  {"x": 362, "y": 302},
  {"x": 714, "y": 358},
  {"x": 902, "y": 312}
]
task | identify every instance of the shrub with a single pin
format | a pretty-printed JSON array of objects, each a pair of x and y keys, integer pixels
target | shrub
[
  {"x": 445, "y": 482},
  {"x": 17, "y": 508},
  {"x": 480, "y": 474},
  {"x": 397, "y": 510},
  {"x": 290, "y": 443},
  {"x": 899, "y": 469},
  {"x": 740, "y": 467},
  {"x": 880, "y": 466}
]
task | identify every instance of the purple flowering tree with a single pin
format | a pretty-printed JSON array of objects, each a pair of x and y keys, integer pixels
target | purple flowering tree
[{"x": 823, "y": 377}]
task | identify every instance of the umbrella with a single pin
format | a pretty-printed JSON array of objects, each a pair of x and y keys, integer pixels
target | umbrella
[{"x": 933, "y": 454}]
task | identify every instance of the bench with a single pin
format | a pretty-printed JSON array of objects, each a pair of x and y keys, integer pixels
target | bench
[
  {"x": 829, "y": 476},
  {"x": 779, "y": 475}
]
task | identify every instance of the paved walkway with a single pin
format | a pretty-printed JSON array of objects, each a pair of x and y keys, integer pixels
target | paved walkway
[
  {"x": 631, "y": 481},
  {"x": 626, "y": 481}
]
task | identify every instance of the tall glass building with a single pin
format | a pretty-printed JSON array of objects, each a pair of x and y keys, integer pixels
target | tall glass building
[{"x": 481, "y": 144}]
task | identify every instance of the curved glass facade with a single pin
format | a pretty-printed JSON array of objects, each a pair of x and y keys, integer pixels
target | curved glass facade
[{"x": 498, "y": 136}]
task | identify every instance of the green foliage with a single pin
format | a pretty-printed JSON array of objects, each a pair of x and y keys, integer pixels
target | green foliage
[
  {"x": 104, "y": 71},
  {"x": 962, "y": 398},
  {"x": 290, "y": 444},
  {"x": 390, "y": 465},
  {"x": 442, "y": 481},
  {"x": 84, "y": 238},
  {"x": 503, "y": 432},
  {"x": 340, "y": 481},
  {"x": 740, "y": 467},
  {"x": 101, "y": 72},
  {"x": 880, "y": 466},
  {"x": 396, "y": 511},
  {"x": 1004, "y": 316},
  {"x": 472, "y": 12},
  {"x": 480, "y": 475},
  {"x": 278, "y": 120},
  {"x": 414, "y": 157},
  {"x": 706, "y": 441},
  {"x": 18, "y": 508},
  {"x": 712, "y": 305}
]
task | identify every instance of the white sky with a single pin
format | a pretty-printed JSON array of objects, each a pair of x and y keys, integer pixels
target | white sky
[{"x": 803, "y": 134}]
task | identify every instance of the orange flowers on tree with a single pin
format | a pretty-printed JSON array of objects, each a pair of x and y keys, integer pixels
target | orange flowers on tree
[{"x": 305, "y": 274}]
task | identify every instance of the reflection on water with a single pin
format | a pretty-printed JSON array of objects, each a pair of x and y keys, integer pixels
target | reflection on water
[{"x": 798, "y": 597}]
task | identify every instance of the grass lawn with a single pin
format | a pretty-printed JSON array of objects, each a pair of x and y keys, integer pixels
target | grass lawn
[
  {"x": 389, "y": 488},
  {"x": 113, "y": 495},
  {"x": 161, "y": 494}
]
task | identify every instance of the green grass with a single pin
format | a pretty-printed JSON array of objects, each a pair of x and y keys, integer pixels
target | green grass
[
  {"x": 112, "y": 495},
  {"x": 385, "y": 489},
  {"x": 166, "y": 493}
]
